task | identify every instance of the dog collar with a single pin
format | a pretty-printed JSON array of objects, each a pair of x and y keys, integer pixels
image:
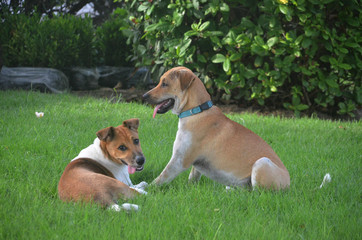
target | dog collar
[{"x": 196, "y": 110}]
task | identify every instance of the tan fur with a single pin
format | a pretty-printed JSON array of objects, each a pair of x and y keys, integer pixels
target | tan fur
[{"x": 218, "y": 143}]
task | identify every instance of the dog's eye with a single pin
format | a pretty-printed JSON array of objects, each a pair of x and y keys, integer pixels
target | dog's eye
[
  {"x": 136, "y": 141},
  {"x": 122, "y": 148},
  {"x": 164, "y": 84}
]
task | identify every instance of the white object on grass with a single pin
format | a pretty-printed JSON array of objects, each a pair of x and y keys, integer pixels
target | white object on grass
[
  {"x": 327, "y": 178},
  {"x": 39, "y": 114}
]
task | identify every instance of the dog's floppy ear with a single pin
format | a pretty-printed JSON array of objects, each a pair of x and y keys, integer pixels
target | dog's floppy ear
[
  {"x": 132, "y": 124},
  {"x": 186, "y": 78},
  {"x": 106, "y": 134}
]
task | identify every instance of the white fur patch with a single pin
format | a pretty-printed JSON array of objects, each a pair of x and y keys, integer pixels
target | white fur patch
[
  {"x": 94, "y": 152},
  {"x": 182, "y": 142},
  {"x": 139, "y": 190},
  {"x": 141, "y": 185}
]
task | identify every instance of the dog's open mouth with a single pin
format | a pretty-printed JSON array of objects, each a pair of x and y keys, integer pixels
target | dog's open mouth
[
  {"x": 132, "y": 170},
  {"x": 163, "y": 107}
]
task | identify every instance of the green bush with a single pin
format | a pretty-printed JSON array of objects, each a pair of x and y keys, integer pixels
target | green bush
[
  {"x": 303, "y": 55},
  {"x": 59, "y": 42},
  {"x": 63, "y": 41},
  {"x": 111, "y": 41}
]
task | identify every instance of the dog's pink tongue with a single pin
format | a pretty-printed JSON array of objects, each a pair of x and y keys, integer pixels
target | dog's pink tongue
[
  {"x": 131, "y": 170},
  {"x": 156, "y": 109}
]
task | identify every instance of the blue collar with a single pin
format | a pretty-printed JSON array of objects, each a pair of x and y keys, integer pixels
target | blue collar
[{"x": 196, "y": 110}]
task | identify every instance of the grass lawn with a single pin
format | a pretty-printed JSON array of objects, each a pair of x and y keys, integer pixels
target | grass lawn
[{"x": 34, "y": 152}]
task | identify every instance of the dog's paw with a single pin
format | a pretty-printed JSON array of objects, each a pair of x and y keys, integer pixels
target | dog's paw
[
  {"x": 141, "y": 185},
  {"x": 125, "y": 206},
  {"x": 139, "y": 190},
  {"x": 130, "y": 207}
]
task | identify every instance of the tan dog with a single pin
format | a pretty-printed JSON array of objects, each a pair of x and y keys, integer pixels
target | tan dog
[
  {"x": 100, "y": 173},
  {"x": 214, "y": 145}
]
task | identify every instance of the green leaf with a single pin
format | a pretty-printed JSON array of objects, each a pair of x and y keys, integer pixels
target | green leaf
[
  {"x": 143, "y": 7},
  {"x": 301, "y": 107},
  {"x": 306, "y": 42},
  {"x": 259, "y": 40},
  {"x": 343, "y": 50},
  {"x": 249, "y": 73},
  {"x": 218, "y": 58},
  {"x": 331, "y": 81},
  {"x": 151, "y": 27},
  {"x": 177, "y": 17},
  {"x": 272, "y": 41},
  {"x": 345, "y": 66},
  {"x": 191, "y": 33},
  {"x": 224, "y": 7},
  {"x": 201, "y": 58},
  {"x": 333, "y": 61},
  {"x": 226, "y": 65},
  {"x": 235, "y": 56},
  {"x": 258, "y": 61},
  {"x": 273, "y": 89},
  {"x": 184, "y": 47},
  {"x": 213, "y": 33},
  {"x": 235, "y": 77},
  {"x": 298, "y": 40},
  {"x": 284, "y": 9},
  {"x": 204, "y": 26},
  {"x": 258, "y": 50}
]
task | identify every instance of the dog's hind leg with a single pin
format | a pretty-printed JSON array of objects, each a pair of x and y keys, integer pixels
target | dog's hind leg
[
  {"x": 194, "y": 175},
  {"x": 267, "y": 174}
]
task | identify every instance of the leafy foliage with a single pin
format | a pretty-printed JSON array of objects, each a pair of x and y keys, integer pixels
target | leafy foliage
[
  {"x": 111, "y": 41},
  {"x": 63, "y": 41},
  {"x": 59, "y": 42},
  {"x": 303, "y": 55}
]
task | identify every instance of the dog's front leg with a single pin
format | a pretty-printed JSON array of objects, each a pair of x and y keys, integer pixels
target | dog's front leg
[{"x": 173, "y": 168}]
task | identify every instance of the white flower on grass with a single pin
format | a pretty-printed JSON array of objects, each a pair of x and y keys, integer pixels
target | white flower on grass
[
  {"x": 327, "y": 178},
  {"x": 39, "y": 114}
]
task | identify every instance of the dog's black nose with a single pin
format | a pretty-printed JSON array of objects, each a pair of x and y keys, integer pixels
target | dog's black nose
[{"x": 140, "y": 160}]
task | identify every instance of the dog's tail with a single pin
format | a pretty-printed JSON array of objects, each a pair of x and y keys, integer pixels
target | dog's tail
[{"x": 327, "y": 178}]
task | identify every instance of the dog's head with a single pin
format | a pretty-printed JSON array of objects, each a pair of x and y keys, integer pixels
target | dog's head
[
  {"x": 122, "y": 145},
  {"x": 171, "y": 91}
]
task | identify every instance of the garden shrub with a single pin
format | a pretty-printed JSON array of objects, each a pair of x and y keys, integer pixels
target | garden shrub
[
  {"x": 59, "y": 42},
  {"x": 111, "y": 41},
  {"x": 63, "y": 41},
  {"x": 303, "y": 55}
]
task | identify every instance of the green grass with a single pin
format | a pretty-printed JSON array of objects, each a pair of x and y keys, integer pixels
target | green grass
[{"x": 34, "y": 152}]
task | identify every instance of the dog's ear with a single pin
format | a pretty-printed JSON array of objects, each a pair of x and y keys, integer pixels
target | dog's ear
[
  {"x": 132, "y": 124},
  {"x": 186, "y": 79},
  {"x": 106, "y": 134}
]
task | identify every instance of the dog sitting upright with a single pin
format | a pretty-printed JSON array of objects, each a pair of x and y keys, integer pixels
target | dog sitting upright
[
  {"x": 100, "y": 173},
  {"x": 206, "y": 139}
]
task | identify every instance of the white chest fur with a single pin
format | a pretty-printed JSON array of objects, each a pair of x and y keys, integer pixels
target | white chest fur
[
  {"x": 94, "y": 152},
  {"x": 182, "y": 142}
]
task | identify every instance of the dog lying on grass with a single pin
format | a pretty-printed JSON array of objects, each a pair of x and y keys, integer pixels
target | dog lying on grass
[{"x": 100, "y": 173}]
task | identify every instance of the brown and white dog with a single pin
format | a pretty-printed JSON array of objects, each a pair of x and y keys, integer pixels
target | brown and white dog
[
  {"x": 207, "y": 140},
  {"x": 100, "y": 173}
]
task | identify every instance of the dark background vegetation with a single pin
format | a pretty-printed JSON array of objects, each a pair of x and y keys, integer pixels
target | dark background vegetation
[{"x": 304, "y": 56}]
